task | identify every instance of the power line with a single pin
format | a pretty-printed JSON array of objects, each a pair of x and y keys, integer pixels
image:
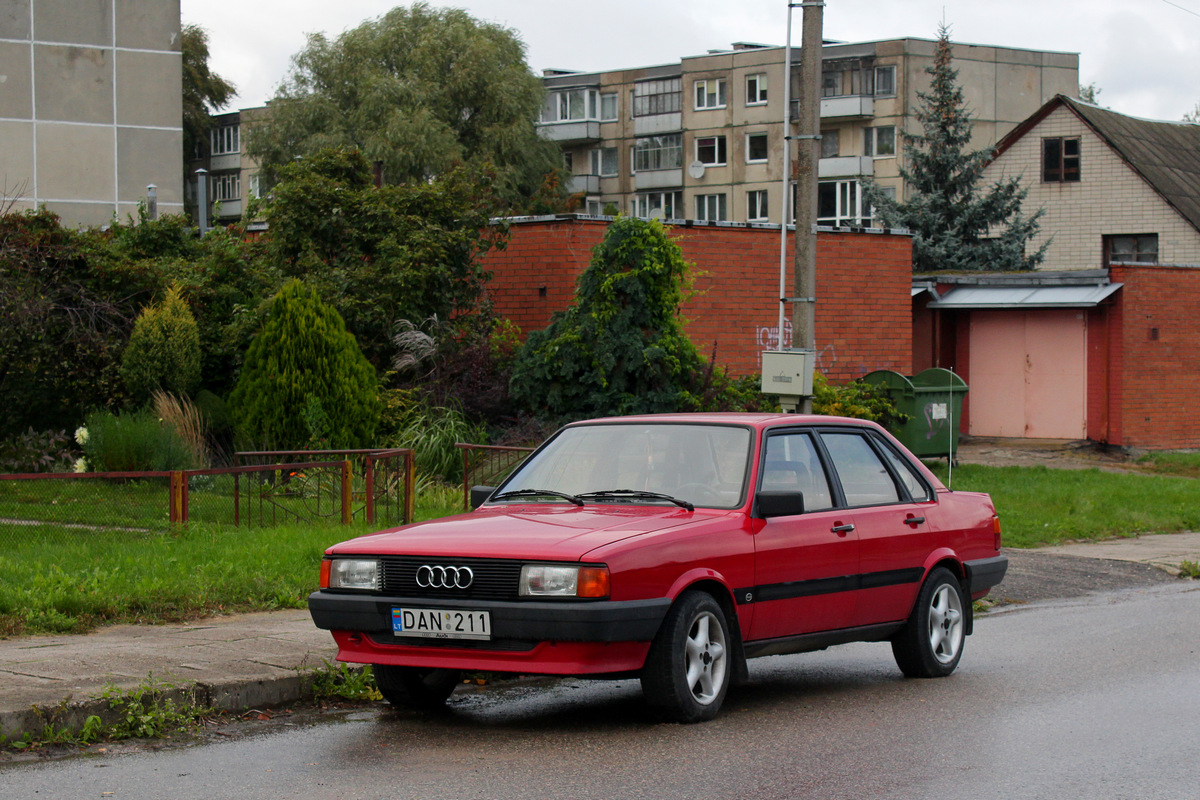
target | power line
[{"x": 1181, "y": 8}]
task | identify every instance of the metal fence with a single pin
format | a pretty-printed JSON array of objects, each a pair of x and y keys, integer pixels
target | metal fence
[
  {"x": 375, "y": 486},
  {"x": 487, "y": 465}
]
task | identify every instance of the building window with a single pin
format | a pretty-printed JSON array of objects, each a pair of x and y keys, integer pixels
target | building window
[
  {"x": 255, "y": 185},
  {"x": 756, "y": 89},
  {"x": 756, "y": 148},
  {"x": 710, "y": 150},
  {"x": 1139, "y": 248},
  {"x": 880, "y": 142},
  {"x": 593, "y": 206},
  {"x": 756, "y": 205},
  {"x": 885, "y": 81},
  {"x": 829, "y": 144},
  {"x": 571, "y": 105},
  {"x": 608, "y": 106},
  {"x": 659, "y": 205},
  {"x": 1060, "y": 160},
  {"x": 658, "y": 152},
  {"x": 710, "y": 94},
  {"x": 226, "y": 186},
  {"x": 710, "y": 207},
  {"x": 569, "y": 161},
  {"x": 840, "y": 204},
  {"x": 658, "y": 97},
  {"x": 604, "y": 161},
  {"x": 224, "y": 140},
  {"x": 847, "y": 77}
]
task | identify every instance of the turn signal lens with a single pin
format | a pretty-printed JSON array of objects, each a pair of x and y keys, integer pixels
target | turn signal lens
[
  {"x": 325, "y": 564},
  {"x": 593, "y": 582}
]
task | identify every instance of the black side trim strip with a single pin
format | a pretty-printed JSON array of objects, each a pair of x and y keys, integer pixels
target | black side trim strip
[
  {"x": 819, "y": 641},
  {"x": 816, "y": 586}
]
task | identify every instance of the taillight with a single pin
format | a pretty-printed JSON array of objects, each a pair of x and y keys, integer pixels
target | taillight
[{"x": 996, "y": 529}]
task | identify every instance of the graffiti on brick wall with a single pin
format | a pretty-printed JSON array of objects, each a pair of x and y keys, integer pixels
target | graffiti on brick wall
[{"x": 768, "y": 337}]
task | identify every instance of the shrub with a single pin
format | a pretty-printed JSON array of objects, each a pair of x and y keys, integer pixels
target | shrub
[
  {"x": 856, "y": 399},
  {"x": 164, "y": 350},
  {"x": 432, "y": 432},
  {"x": 304, "y": 350},
  {"x": 31, "y": 451},
  {"x": 134, "y": 442},
  {"x": 185, "y": 419}
]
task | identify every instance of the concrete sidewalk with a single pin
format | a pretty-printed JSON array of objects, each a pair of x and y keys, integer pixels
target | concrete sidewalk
[{"x": 252, "y": 660}]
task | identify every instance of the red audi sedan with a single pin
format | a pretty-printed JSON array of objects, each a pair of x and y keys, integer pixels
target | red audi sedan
[{"x": 673, "y": 548}]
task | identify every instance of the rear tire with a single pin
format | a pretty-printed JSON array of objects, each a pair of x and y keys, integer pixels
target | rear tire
[
  {"x": 931, "y": 642},
  {"x": 690, "y": 663},
  {"x": 415, "y": 687}
]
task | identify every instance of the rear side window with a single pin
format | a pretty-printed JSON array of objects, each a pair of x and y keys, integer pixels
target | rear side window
[
  {"x": 865, "y": 479},
  {"x": 909, "y": 478}
]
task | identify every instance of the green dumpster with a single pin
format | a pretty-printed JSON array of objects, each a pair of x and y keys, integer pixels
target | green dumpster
[{"x": 932, "y": 400}]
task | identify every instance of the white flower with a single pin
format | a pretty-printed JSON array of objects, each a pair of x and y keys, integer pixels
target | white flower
[
  {"x": 81, "y": 464},
  {"x": 81, "y": 435}
]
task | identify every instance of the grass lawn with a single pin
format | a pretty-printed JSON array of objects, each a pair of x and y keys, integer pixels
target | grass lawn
[{"x": 72, "y": 580}]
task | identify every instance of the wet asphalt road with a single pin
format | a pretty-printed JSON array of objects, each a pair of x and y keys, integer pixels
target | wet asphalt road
[{"x": 1095, "y": 697}]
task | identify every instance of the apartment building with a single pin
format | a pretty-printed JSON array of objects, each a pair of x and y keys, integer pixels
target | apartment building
[
  {"x": 230, "y": 173},
  {"x": 90, "y": 107},
  {"x": 703, "y": 138}
]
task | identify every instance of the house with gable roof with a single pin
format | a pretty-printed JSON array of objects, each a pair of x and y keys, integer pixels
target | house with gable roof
[{"x": 1102, "y": 342}]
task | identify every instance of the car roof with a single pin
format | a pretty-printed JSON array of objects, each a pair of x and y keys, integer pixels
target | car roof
[{"x": 755, "y": 420}]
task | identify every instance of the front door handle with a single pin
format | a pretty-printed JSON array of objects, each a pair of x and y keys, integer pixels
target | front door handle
[
  {"x": 911, "y": 520},
  {"x": 842, "y": 528}
]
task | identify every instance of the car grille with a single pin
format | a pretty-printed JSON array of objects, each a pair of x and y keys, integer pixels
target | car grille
[{"x": 493, "y": 578}]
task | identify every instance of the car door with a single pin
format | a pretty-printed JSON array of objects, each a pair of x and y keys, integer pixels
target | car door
[
  {"x": 892, "y": 507},
  {"x": 805, "y": 563}
]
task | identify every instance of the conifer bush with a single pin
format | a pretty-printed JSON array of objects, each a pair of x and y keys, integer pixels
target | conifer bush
[
  {"x": 304, "y": 351},
  {"x": 163, "y": 352}
]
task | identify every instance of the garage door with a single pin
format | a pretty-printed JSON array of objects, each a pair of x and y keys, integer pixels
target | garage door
[{"x": 1028, "y": 373}]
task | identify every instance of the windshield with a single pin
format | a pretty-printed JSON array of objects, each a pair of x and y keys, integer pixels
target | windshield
[{"x": 705, "y": 465}]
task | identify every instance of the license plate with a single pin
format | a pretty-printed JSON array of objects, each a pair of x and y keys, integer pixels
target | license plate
[{"x": 442, "y": 623}]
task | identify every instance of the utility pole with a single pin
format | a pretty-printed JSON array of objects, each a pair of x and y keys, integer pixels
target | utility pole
[{"x": 808, "y": 136}]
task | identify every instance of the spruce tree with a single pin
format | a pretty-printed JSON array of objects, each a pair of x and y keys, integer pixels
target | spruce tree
[
  {"x": 302, "y": 357},
  {"x": 163, "y": 351},
  {"x": 954, "y": 226}
]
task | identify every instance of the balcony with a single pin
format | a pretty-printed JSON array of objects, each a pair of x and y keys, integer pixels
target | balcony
[
  {"x": 848, "y": 107},
  {"x": 582, "y": 131},
  {"x": 589, "y": 184},
  {"x": 845, "y": 167},
  {"x": 658, "y": 179},
  {"x": 657, "y": 123}
]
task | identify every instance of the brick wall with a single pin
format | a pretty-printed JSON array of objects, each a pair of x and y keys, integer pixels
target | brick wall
[
  {"x": 1154, "y": 358},
  {"x": 863, "y": 313}
]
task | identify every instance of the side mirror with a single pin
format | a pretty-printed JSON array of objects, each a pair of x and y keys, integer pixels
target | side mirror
[
  {"x": 778, "y": 504},
  {"x": 480, "y": 494}
]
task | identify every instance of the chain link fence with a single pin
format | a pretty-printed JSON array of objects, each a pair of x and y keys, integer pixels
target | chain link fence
[{"x": 487, "y": 465}]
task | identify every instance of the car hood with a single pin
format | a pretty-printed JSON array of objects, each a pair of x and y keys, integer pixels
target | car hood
[{"x": 541, "y": 532}]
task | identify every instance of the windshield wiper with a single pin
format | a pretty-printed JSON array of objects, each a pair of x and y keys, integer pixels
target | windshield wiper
[
  {"x": 638, "y": 494},
  {"x": 538, "y": 493}
]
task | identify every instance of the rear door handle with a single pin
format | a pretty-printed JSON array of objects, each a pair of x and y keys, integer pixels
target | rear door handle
[
  {"x": 910, "y": 520},
  {"x": 842, "y": 528}
]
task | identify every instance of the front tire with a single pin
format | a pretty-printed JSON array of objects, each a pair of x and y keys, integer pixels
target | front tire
[
  {"x": 931, "y": 642},
  {"x": 690, "y": 662},
  {"x": 415, "y": 687}
]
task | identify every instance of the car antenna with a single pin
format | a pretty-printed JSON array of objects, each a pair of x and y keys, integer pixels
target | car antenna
[{"x": 953, "y": 433}]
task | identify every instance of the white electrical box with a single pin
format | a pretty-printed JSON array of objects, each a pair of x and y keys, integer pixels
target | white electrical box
[{"x": 788, "y": 373}]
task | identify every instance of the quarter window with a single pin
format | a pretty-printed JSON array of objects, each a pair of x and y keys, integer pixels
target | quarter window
[
  {"x": 756, "y": 89},
  {"x": 756, "y": 148},
  {"x": 1060, "y": 160},
  {"x": 918, "y": 491},
  {"x": 710, "y": 150},
  {"x": 710, "y": 94}
]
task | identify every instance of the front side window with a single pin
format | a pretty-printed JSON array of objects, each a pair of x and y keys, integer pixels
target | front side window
[
  {"x": 710, "y": 150},
  {"x": 1060, "y": 160},
  {"x": 756, "y": 148},
  {"x": 1131, "y": 249},
  {"x": 658, "y": 97},
  {"x": 710, "y": 207},
  {"x": 792, "y": 465},
  {"x": 658, "y": 152},
  {"x": 880, "y": 142},
  {"x": 756, "y": 89},
  {"x": 756, "y": 205},
  {"x": 710, "y": 94}
]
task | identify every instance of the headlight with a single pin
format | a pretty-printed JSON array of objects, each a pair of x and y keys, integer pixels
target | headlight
[
  {"x": 354, "y": 573},
  {"x": 562, "y": 580}
]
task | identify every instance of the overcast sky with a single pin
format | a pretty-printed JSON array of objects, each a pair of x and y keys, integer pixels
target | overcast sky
[{"x": 1143, "y": 54}]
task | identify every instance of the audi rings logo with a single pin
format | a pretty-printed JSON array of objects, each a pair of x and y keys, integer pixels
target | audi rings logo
[{"x": 430, "y": 577}]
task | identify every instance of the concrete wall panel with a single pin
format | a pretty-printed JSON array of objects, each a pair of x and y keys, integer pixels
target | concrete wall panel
[
  {"x": 75, "y": 162},
  {"x": 15, "y": 19},
  {"x": 16, "y": 87},
  {"x": 149, "y": 89},
  {"x": 74, "y": 84},
  {"x": 149, "y": 156},
  {"x": 74, "y": 21},
  {"x": 148, "y": 26}
]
